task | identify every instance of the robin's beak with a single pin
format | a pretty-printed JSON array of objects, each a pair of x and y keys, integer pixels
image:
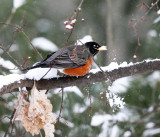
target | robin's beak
[{"x": 102, "y": 48}]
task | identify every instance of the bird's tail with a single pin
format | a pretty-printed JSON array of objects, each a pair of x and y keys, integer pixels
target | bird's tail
[{"x": 38, "y": 65}]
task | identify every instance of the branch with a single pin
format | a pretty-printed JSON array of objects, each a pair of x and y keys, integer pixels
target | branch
[{"x": 111, "y": 73}]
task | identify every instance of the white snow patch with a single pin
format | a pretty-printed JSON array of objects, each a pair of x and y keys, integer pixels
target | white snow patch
[
  {"x": 44, "y": 44},
  {"x": 79, "y": 108},
  {"x": 107, "y": 121},
  {"x": 111, "y": 66},
  {"x": 151, "y": 132},
  {"x": 151, "y": 108},
  {"x": 65, "y": 22},
  {"x": 152, "y": 33},
  {"x": 13, "y": 48},
  {"x": 120, "y": 85},
  {"x": 158, "y": 12},
  {"x": 150, "y": 125},
  {"x": 156, "y": 20},
  {"x": 73, "y": 21},
  {"x": 66, "y": 122},
  {"x": 8, "y": 79},
  {"x": 100, "y": 119},
  {"x": 8, "y": 65},
  {"x": 69, "y": 27},
  {"x": 115, "y": 65},
  {"x": 115, "y": 131},
  {"x": 114, "y": 100},
  {"x": 153, "y": 78},
  {"x": 73, "y": 89},
  {"x": 85, "y": 39},
  {"x": 17, "y": 4},
  {"x": 127, "y": 134},
  {"x": 39, "y": 73}
]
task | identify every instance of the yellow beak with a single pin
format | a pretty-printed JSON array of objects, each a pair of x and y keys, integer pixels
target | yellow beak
[{"x": 102, "y": 48}]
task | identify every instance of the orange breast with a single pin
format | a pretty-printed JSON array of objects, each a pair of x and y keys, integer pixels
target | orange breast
[{"x": 80, "y": 71}]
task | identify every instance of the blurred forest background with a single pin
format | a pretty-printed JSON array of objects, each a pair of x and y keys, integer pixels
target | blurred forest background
[{"x": 107, "y": 22}]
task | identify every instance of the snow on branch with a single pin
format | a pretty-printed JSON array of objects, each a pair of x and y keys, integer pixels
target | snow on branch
[{"x": 111, "y": 72}]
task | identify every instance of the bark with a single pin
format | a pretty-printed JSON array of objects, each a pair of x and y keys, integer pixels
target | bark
[{"x": 62, "y": 82}]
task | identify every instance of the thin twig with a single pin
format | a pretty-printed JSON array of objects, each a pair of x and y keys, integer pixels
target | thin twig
[
  {"x": 31, "y": 44},
  {"x": 76, "y": 16},
  {"x": 15, "y": 61},
  {"x": 10, "y": 123},
  {"x": 61, "y": 106},
  {"x": 135, "y": 22},
  {"x": 90, "y": 107}
]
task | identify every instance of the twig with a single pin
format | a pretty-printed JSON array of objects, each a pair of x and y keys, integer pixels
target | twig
[
  {"x": 62, "y": 82},
  {"x": 14, "y": 39},
  {"x": 31, "y": 44},
  {"x": 90, "y": 107},
  {"x": 18, "y": 29},
  {"x": 61, "y": 106},
  {"x": 46, "y": 91},
  {"x": 140, "y": 20},
  {"x": 4, "y": 118},
  {"x": 10, "y": 123},
  {"x": 15, "y": 61},
  {"x": 76, "y": 16},
  {"x": 11, "y": 25}
]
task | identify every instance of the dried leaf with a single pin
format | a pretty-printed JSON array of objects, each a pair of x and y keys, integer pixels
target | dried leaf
[{"x": 36, "y": 114}]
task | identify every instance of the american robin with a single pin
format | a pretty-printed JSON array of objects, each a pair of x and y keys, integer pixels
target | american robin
[{"x": 74, "y": 60}]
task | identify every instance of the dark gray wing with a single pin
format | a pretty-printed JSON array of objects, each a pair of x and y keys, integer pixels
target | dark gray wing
[{"x": 68, "y": 57}]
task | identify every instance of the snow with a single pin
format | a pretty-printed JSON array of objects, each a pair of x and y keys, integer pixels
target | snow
[
  {"x": 120, "y": 85},
  {"x": 13, "y": 48},
  {"x": 135, "y": 57},
  {"x": 115, "y": 131},
  {"x": 127, "y": 134},
  {"x": 158, "y": 12},
  {"x": 115, "y": 100},
  {"x": 73, "y": 89},
  {"x": 114, "y": 65},
  {"x": 17, "y": 4},
  {"x": 150, "y": 125},
  {"x": 8, "y": 65},
  {"x": 107, "y": 121},
  {"x": 73, "y": 21},
  {"x": 111, "y": 66},
  {"x": 35, "y": 74},
  {"x": 97, "y": 120},
  {"x": 8, "y": 79},
  {"x": 69, "y": 27},
  {"x": 79, "y": 108},
  {"x": 151, "y": 132},
  {"x": 85, "y": 39},
  {"x": 66, "y": 122},
  {"x": 44, "y": 44},
  {"x": 152, "y": 33},
  {"x": 39, "y": 73},
  {"x": 153, "y": 78},
  {"x": 65, "y": 22},
  {"x": 156, "y": 20}
]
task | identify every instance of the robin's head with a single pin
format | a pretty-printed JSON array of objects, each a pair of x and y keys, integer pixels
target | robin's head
[{"x": 94, "y": 47}]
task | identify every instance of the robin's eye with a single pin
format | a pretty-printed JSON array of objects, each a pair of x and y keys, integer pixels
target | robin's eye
[{"x": 95, "y": 46}]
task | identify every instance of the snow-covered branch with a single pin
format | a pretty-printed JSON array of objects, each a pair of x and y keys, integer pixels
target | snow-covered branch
[{"x": 111, "y": 72}]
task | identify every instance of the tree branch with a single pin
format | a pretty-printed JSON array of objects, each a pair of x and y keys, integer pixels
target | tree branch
[{"x": 62, "y": 82}]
